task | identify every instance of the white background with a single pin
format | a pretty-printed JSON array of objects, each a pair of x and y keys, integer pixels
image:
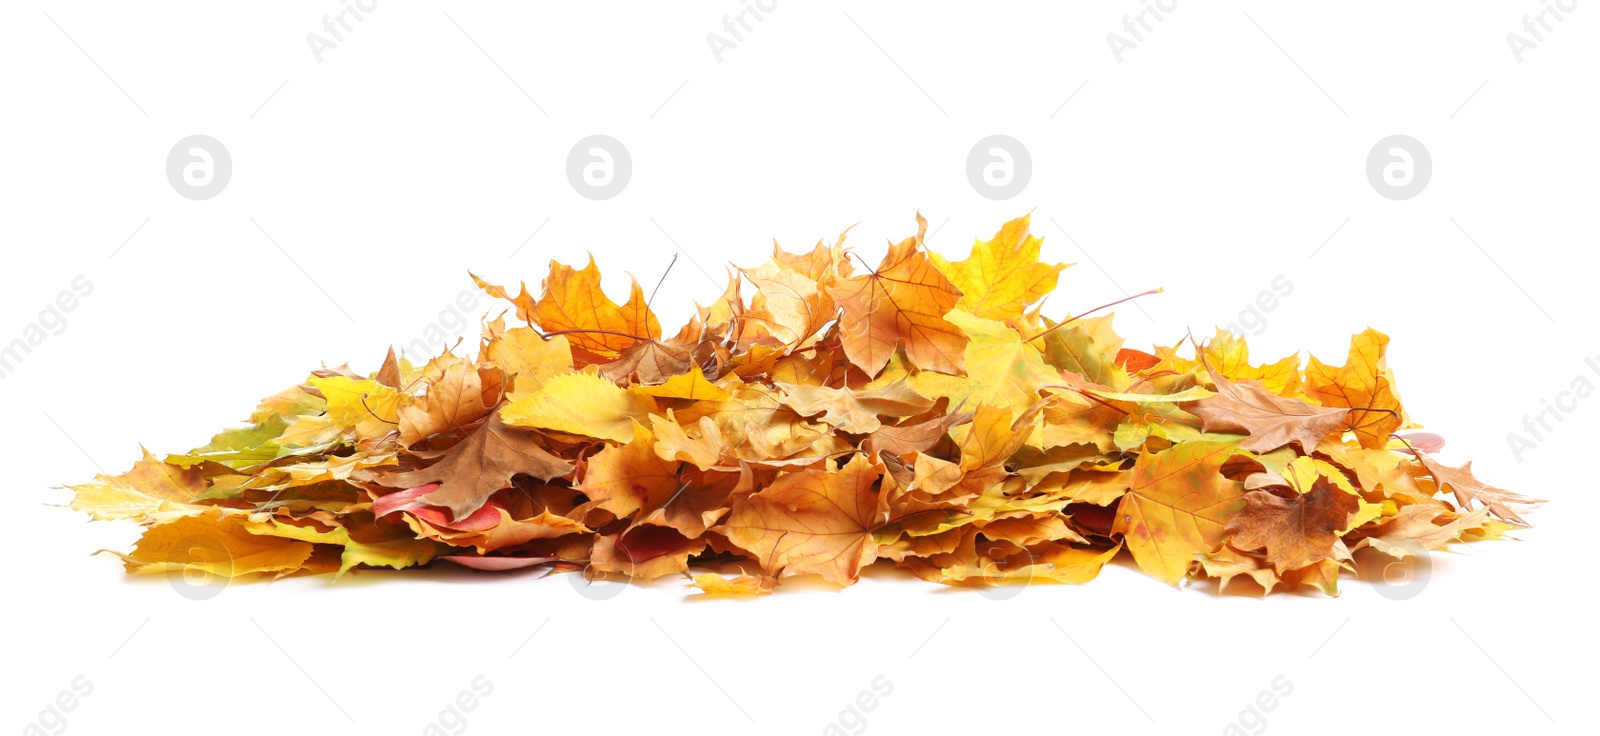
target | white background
[{"x": 1221, "y": 152}]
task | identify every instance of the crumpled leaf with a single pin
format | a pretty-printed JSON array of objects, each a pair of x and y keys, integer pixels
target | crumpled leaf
[
  {"x": 1271, "y": 421},
  {"x": 454, "y": 401},
  {"x": 482, "y": 463},
  {"x": 1295, "y": 532},
  {"x": 1468, "y": 488},
  {"x": 855, "y": 411}
]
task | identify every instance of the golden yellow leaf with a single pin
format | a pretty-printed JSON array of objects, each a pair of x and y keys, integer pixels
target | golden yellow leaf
[
  {"x": 742, "y": 584},
  {"x": 691, "y": 385},
  {"x": 1002, "y": 368},
  {"x": 581, "y": 403},
  {"x": 151, "y": 490},
  {"x": 631, "y": 476},
  {"x": 213, "y": 543},
  {"x": 528, "y": 358},
  {"x": 1176, "y": 507},
  {"x": 1002, "y": 275},
  {"x": 1363, "y": 385}
]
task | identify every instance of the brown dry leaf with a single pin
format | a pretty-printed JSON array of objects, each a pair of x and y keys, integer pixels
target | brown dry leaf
[
  {"x": 854, "y": 411},
  {"x": 1271, "y": 421},
  {"x": 453, "y": 402},
  {"x": 656, "y": 361},
  {"x": 917, "y": 437},
  {"x": 1468, "y": 488},
  {"x": 1416, "y": 528},
  {"x": 1295, "y": 532},
  {"x": 482, "y": 463}
]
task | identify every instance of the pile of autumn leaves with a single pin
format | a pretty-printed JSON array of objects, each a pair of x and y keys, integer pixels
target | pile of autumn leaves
[{"x": 924, "y": 413}]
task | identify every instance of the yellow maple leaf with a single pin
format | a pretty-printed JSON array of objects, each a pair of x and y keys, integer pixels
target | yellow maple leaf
[
  {"x": 1176, "y": 507},
  {"x": 1002, "y": 275},
  {"x": 1003, "y": 369},
  {"x": 1364, "y": 385}
]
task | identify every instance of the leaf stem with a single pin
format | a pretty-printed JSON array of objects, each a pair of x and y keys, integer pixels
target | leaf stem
[
  {"x": 374, "y": 414},
  {"x": 1090, "y": 396},
  {"x": 663, "y": 280},
  {"x": 548, "y": 335},
  {"x": 1072, "y": 319}
]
